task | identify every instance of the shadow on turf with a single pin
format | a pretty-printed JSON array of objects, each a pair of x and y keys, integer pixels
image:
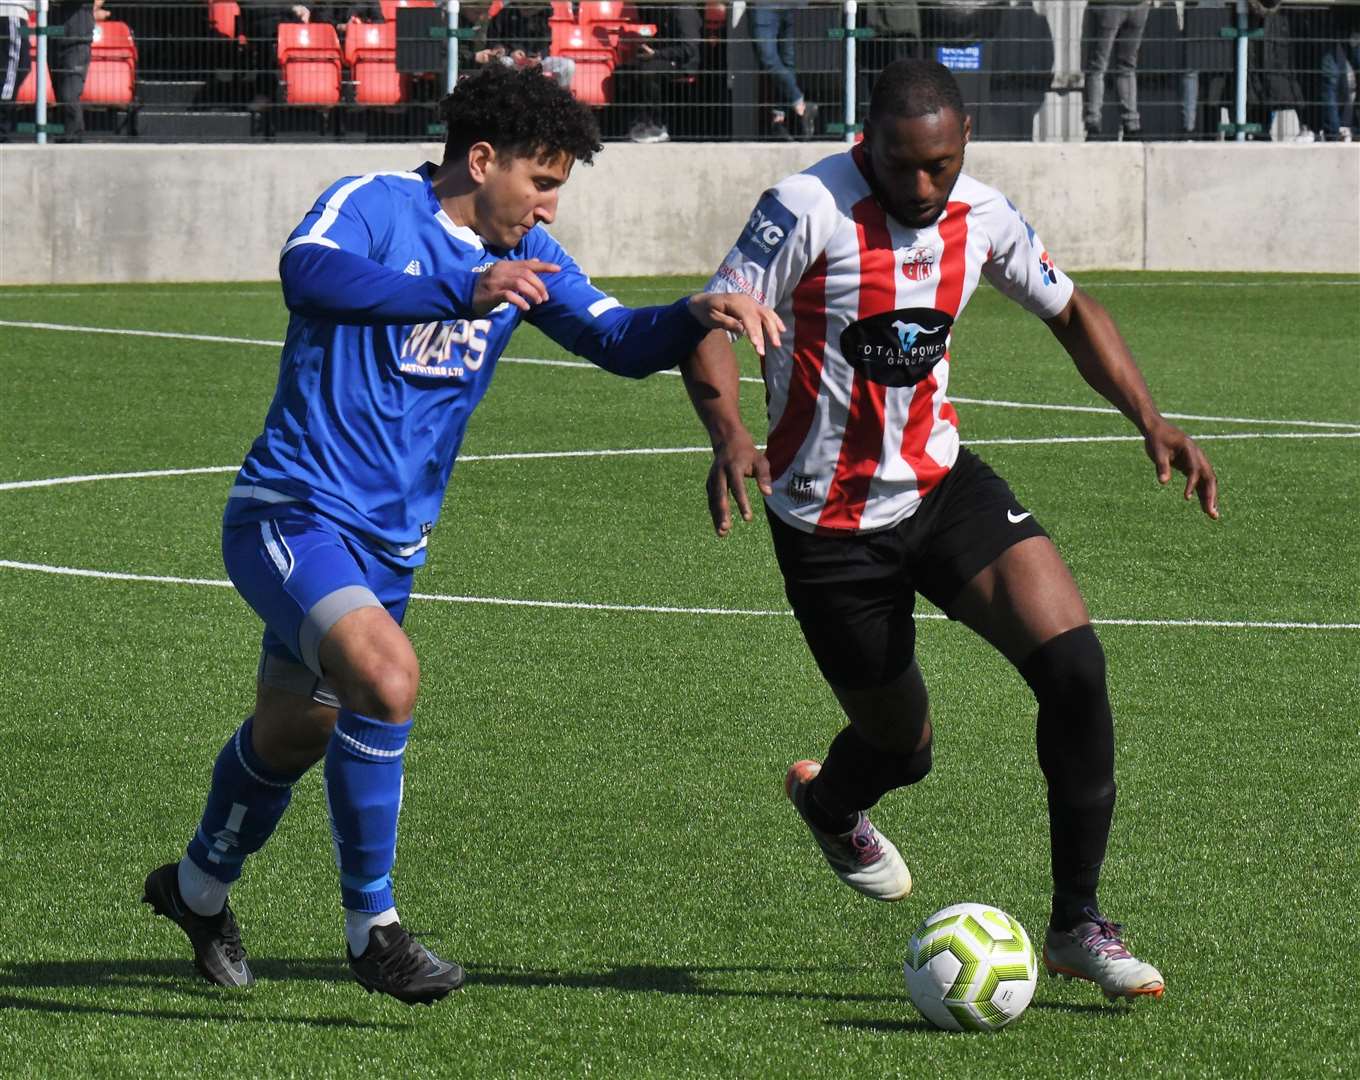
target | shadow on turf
[
  {"x": 177, "y": 976},
  {"x": 661, "y": 979}
]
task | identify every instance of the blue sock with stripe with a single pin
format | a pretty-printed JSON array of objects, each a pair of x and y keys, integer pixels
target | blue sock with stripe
[
  {"x": 245, "y": 803},
  {"x": 363, "y": 793}
]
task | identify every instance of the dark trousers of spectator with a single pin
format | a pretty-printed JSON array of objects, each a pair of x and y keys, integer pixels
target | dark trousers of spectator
[
  {"x": 70, "y": 62},
  {"x": 647, "y": 87},
  {"x": 260, "y": 25},
  {"x": 1336, "y": 112},
  {"x": 14, "y": 56},
  {"x": 772, "y": 32},
  {"x": 1114, "y": 29}
]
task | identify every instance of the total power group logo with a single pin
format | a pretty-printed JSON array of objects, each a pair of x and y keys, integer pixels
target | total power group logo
[{"x": 897, "y": 348}]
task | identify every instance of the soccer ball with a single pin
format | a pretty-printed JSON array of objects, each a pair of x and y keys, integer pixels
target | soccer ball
[{"x": 971, "y": 967}]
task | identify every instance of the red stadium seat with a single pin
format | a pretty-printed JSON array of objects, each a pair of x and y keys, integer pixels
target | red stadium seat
[
  {"x": 371, "y": 53},
  {"x": 224, "y": 16},
  {"x": 112, "y": 75},
  {"x": 27, "y": 94},
  {"x": 593, "y": 81},
  {"x": 389, "y": 7},
  {"x": 309, "y": 55}
]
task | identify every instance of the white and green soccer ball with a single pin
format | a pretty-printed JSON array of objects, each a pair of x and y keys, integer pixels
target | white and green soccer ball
[{"x": 971, "y": 967}]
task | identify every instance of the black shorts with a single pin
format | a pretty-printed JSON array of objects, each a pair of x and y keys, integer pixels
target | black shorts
[{"x": 854, "y": 594}]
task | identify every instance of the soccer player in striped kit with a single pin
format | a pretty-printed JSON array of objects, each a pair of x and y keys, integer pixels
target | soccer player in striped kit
[
  {"x": 404, "y": 288},
  {"x": 870, "y": 257}
]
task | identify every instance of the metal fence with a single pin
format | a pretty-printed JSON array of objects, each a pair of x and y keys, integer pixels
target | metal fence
[{"x": 237, "y": 70}]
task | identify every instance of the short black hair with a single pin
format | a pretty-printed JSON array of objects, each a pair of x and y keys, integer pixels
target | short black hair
[
  {"x": 907, "y": 88},
  {"x": 518, "y": 111}
]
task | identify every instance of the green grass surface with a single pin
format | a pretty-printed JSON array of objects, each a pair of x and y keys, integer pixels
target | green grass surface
[{"x": 593, "y": 821}]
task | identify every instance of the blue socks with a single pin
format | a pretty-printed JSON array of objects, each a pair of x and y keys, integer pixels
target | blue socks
[
  {"x": 245, "y": 803},
  {"x": 363, "y": 793}
]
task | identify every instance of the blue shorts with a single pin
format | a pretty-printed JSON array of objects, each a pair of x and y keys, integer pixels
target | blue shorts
[{"x": 301, "y": 573}]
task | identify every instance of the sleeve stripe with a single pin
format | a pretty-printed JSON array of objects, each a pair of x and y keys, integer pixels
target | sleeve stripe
[
  {"x": 308, "y": 238},
  {"x": 608, "y": 303},
  {"x": 317, "y": 233}
]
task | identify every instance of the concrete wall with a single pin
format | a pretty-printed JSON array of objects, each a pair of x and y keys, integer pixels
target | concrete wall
[{"x": 220, "y": 213}]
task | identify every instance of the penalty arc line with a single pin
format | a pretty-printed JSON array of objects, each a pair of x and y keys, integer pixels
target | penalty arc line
[
  {"x": 542, "y": 455},
  {"x": 657, "y": 609},
  {"x": 534, "y": 361}
]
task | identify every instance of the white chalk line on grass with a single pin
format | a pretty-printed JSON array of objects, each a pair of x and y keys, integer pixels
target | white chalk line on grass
[
  {"x": 580, "y": 365},
  {"x": 542, "y": 455},
  {"x": 657, "y": 609}
]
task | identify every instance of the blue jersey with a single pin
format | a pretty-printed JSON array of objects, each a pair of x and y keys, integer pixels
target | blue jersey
[{"x": 385, "y": 358}]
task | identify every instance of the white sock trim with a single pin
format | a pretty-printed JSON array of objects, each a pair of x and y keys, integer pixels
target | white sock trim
[
  {"x": 202, "y": 892},
  {"x": 359, "y": 923}
]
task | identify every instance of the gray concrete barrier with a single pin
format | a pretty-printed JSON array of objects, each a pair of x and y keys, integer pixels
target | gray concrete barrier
[{"x": 220, "y": 213}]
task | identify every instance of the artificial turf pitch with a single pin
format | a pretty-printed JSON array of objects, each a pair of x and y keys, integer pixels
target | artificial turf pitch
[{"x": 593, "y": 822}]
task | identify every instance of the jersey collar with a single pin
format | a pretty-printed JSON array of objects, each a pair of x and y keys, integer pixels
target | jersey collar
[{"x": 461, "y": 233}]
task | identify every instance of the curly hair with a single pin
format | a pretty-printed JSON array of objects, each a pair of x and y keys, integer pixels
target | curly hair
[
  {"x": 910, "y": 88},
  {"x": 520, "y": 112}
]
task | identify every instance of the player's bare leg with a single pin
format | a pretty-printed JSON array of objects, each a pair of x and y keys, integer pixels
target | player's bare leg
[{"x": 1027, "y": 605}]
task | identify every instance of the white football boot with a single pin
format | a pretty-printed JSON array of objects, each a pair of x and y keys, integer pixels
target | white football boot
[
  {"x": 863, "y": 858},
  {"x": 1094, "y": 950}
]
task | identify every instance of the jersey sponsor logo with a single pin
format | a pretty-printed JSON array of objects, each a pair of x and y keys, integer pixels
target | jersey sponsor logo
[
  {"x": 429, "y": 348},
  {"x": 741, "y": 283},
  {"x": 483, "y": 268},
  {"x": 802, "y": 489},
  {"x": 766, "y": 230},
  {"x": 918, "y": 263},
  {"x": 897, "y": 348},
  {"x": 1049, "y": 271},
  {"x": 413, "y": 268}
]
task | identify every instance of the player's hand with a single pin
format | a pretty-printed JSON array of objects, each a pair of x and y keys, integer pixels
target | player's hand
[
  {"x": 738, "y": 314},
  {"x": 1169, "y": 447},
  {"x": 733, "y": 461},
  {"x": 512, "y": 281}
]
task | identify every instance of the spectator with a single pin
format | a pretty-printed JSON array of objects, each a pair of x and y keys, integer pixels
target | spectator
[
  {"x": 518, "y": 36},
  {"x": 650, "y": 79},
  {"x": 772, "y": 29},
  {"x": 71, "y": 60},
  {"x": 14, "y": 56},
  {"x": 259, "y": 22},
  {"x": 1338, "y": 113},
  {"x": 1113, "y": 28}
]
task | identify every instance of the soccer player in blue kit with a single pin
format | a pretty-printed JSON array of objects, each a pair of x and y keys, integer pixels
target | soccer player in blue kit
[{"x": 404, "y": 289}]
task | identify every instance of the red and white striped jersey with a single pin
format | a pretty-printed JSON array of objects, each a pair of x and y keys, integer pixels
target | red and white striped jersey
[{"x": 860, "y": 427}]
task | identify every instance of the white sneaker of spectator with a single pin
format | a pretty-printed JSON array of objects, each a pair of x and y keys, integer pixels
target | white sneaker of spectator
[{"x": 645, "y": 132}]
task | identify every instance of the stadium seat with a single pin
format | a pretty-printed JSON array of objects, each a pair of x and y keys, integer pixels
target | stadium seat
[
  {"x": 27, "y": 94},
  {"x": 371, "y": 54},
  {"x": 224, "y": 16},
  {"x": 389, "y": 7},
  {"x": 112, "y": 75},
  {"x": 310, "y": 58},
  {"x": 593, "y": 82}
]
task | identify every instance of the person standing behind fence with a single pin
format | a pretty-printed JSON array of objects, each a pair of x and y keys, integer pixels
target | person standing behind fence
[
  {"x": 14, "y": 57},
  {"x": 71, "y": 60},
  {"x": 1338, "y": 112},
  {"x": 772, "y": 30},
  {"x": 1118, "y": 29}
]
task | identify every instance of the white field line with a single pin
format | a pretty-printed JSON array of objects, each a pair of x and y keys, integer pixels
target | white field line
[
  {"x": 1101, "y": 410},
  {"x": 540, "y": 455},
  {"x": 655, "y": 609}
]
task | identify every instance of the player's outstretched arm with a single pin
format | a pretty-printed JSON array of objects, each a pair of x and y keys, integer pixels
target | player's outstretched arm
[
  {"x": 739, "y": 315},
  {"x": 712, "y": 379},
  {"x": 1090, "y": 336}
]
